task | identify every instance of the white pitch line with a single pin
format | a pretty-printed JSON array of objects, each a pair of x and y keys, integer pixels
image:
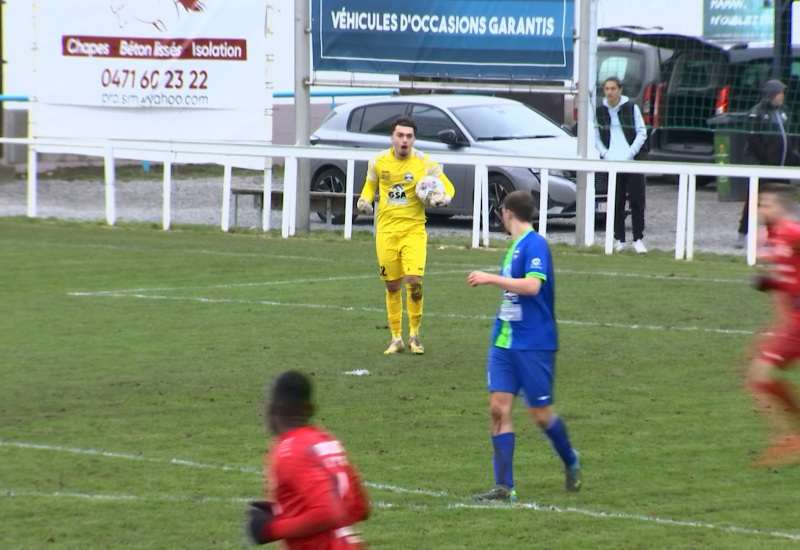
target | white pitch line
[
  {"x": 465, "y": 270},
  {"x": 127, "y": 456},
  {"x": 91, "y": 496},
  {"x": 237, "y": 285},
  {"x": 622, "y": 515},
  {"x": 370, "y": 276},
  {"x": 275, "y": 303},
  {"x": 455, "y": 505},
  {"x": 741, "y": 281}
]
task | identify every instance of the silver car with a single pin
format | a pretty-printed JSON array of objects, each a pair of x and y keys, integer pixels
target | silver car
[{"x": 464, "y": 123}]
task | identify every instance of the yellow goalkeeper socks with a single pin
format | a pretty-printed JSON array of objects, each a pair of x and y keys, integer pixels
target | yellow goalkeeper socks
[
  {"x": 414, "y": 307},
  {"x": 394, "y": 308}
]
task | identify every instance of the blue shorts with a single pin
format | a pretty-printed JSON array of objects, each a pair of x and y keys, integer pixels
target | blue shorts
[{"x": 510, "y": 370}]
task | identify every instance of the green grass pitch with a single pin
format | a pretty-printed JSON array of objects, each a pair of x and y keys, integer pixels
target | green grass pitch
[{"x": 133, "y": 363}]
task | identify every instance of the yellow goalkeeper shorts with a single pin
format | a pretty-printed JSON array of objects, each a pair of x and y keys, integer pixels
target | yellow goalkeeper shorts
[{"x": 401, "y": 253}]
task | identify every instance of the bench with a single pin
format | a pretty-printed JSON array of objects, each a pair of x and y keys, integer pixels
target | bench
[{"x": 326, "y": 202}]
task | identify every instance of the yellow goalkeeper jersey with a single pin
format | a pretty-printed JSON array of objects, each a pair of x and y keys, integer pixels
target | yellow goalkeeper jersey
[{"x": 396, "y": 180}]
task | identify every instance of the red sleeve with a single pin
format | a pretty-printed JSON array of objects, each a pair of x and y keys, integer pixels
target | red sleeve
[
  {"x": 793, "y": 235},
  {"x": 324, "y": 510},
  {"x": 360, "y": 507}
]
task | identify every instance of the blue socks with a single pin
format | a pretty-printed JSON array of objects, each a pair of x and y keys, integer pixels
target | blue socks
[
  {"x": 557, "y": 433},
  {"x": 503, "y": 456},
  {"x": 503, "y": 459}
]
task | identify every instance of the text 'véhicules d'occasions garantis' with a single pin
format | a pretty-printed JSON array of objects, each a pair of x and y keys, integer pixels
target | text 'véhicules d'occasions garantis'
[{"x": 442, "y": 24}]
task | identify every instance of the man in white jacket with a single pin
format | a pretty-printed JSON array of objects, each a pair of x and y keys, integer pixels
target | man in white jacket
[{"x": 620, "y": 133}]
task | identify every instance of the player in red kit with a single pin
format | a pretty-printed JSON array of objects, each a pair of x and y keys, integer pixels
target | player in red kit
[
  {"x": 778, "y": 346},
  {"x": 314, "y": 496}
]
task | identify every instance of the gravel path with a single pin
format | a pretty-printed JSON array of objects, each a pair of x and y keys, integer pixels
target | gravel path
[{"x": 199, "y": 201}]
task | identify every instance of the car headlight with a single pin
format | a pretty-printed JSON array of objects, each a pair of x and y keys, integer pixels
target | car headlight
[{"x": 566, "y": 174}]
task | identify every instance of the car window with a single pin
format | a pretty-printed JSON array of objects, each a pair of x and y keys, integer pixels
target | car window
[
  {"x": 506, "y": 121},
  {"x": 747, "y": 81},
  {"x": 696, "y": 72},
  {"x": 629, "y": 67},
  {"x": 430, "y": 121},
  {"x": 375, "y": 119}
]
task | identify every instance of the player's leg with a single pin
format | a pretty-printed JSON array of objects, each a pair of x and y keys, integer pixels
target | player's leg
[
  {"x": 414, "y": 301},
  {"x": 537, "y": 383},
  {"x": 413, "y": 255},
  {"x": 777, "y": 399},
  {"x": 391, "y": 272},
  {"x": 775, "y": 395},
  {"x": 394, "y": 313},
  {"x": 503, "y": 388}
]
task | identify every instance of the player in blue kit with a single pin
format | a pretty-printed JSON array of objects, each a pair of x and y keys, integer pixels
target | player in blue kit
[{"x": 523, "y": 347}]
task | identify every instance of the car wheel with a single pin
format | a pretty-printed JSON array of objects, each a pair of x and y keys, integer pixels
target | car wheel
[
  {"x": 499, "y": 187},
  {"x": 331, "y": 180}
]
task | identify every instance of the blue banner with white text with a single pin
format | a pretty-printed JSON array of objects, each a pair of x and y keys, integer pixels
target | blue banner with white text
[{"x": 490, "y": 39}]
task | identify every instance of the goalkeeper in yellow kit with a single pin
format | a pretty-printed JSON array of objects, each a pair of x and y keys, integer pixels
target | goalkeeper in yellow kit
[{"x": 401, "y": 239}]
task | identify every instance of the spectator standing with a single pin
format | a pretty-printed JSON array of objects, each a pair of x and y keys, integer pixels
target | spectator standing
[
  {"x": 620, "y": 133},
  {"x": 769, "y": 142}
]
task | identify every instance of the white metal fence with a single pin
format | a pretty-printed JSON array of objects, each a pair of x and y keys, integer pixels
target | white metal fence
[{"x": 230, "y": 155}]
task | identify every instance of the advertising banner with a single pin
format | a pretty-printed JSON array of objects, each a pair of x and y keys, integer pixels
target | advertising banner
[
  {"x": 738, "y": 20},
  {"x": 175, "y": 69},
  {"x": 498, "y": 39}
]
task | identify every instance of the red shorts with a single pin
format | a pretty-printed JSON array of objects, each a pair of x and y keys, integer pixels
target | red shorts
[{"x": 780, "y": 345}]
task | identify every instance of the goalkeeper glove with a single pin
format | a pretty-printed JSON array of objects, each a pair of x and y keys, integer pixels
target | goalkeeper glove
[
  {"x": 364, "y": 205},
  {"x": 764, "y": 283},
  {"x": 259, "y": 518},
  {"x": 439, "y": 200}
]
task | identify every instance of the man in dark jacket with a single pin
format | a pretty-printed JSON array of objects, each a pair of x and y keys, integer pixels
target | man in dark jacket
[
  {"x": 769, "y": 142},
  {"x": 620, "y": 133}
]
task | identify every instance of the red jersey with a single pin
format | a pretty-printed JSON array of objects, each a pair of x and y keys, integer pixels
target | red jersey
[
  {"x": 312, "y": 483},
  {"x": 783, "y": 257}
]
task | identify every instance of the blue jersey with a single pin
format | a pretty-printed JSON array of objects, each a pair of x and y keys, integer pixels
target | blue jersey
[{"x": 528, "y": 322}]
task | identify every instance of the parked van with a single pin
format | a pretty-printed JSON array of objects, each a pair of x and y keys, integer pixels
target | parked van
[{"x": 704, "y": 78}]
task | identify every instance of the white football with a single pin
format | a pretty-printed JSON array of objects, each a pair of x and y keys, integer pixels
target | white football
[{"x": 428, "y": 187}]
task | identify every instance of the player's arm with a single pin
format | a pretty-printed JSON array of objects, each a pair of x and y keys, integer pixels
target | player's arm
[
  {"x": 368, "y": 191},
  {"x": 323, "y": 509},
  {"x": 527, "y": 286},
  {"x": 361, "y": 509}
]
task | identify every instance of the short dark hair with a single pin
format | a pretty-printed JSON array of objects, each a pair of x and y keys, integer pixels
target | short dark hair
[
  {"x": 292, "y": 391},
  {"x": 783, "y": 192},
  {"x": 613, "y": 79},
  {"x": 519, "y": 203},
  {"x": 404, "y": 120}
]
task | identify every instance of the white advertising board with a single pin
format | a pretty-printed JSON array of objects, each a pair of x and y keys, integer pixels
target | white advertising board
[{"x": 152, "y": 69}]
